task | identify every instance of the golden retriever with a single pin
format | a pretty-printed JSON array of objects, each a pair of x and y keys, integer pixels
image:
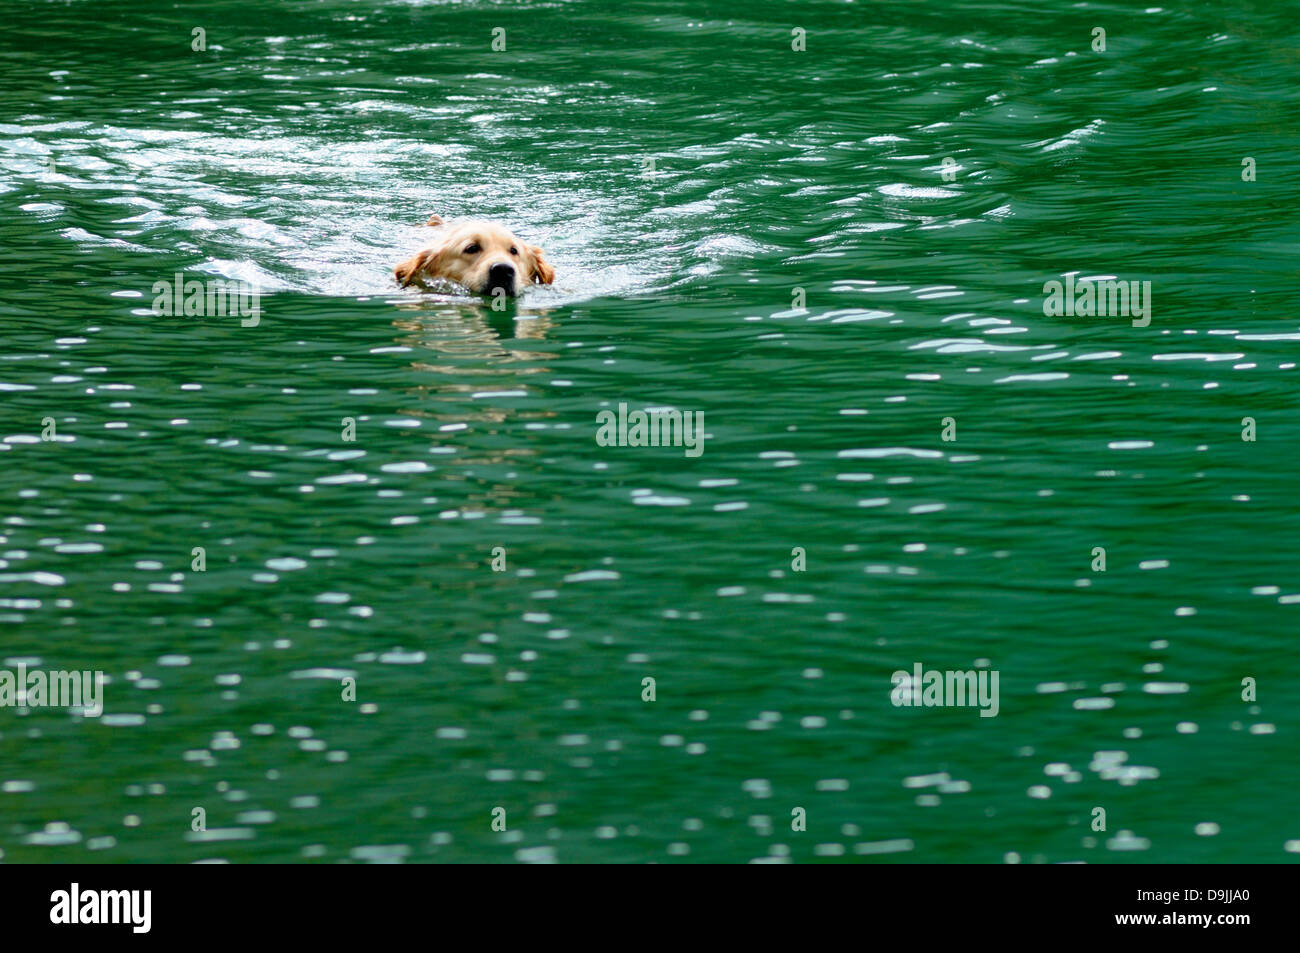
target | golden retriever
[{"x": 484, "y": 257}]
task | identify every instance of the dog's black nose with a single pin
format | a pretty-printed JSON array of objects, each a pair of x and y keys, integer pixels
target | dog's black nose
[{"x": 501, "y": 276}]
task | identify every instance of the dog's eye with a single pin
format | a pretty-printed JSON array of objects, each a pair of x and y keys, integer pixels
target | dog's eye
[
  {"x": 514, "y": 250},
  {"x": 473, "y": 248}
]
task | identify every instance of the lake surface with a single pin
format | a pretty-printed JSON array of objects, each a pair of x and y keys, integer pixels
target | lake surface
[{"x": 838, "y": 255}]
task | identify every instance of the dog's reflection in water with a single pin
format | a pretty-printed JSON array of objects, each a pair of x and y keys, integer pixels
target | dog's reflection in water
[
  {"x": 467, "y": 348},
  {"x": 467, "y": 351},
  {"x": 468, "y": 327}
]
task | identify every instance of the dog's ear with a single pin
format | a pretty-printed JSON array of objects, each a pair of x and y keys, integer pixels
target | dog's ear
[
  {"x": 410, "y": 269},
  {"x": 543, "y": 273}
]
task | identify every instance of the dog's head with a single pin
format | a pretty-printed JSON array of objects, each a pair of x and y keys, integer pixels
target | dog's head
[{"x": 483, "y": 256}]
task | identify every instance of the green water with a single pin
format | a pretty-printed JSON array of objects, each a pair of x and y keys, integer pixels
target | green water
[{"x": 301, "y": 151}]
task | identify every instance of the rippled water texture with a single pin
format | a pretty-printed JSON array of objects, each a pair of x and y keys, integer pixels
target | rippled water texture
[{"x": 837, "y": 255}]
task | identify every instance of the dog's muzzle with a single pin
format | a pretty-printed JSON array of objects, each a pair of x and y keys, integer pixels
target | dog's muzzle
[{"x": 501, "y": 276}]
